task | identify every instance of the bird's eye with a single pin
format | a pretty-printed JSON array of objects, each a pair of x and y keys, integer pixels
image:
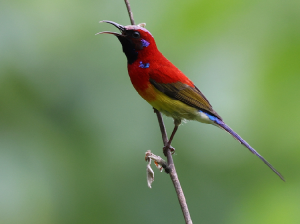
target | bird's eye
[{"x": 136, "y": 34}]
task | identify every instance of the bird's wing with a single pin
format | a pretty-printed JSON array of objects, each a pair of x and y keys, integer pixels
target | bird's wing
[{"x": 186, "y": 94}]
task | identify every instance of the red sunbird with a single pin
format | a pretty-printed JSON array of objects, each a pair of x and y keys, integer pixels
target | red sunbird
[{"x": 164, "y": 86}]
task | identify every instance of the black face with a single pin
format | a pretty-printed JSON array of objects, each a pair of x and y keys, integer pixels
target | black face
[
  {"x": 135, "y": 34},
  {"x": 128, "y": 49},
  {"x": 131, "y": 43}
]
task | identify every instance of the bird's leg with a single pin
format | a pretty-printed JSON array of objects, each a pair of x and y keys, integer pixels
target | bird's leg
[{"x": 168, "y": 145}]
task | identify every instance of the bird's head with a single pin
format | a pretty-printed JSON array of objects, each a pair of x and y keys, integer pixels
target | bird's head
[{"x": 135, "y": 39}]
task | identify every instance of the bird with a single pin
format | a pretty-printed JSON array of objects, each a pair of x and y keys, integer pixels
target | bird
[{"x": 164, "y": 86}]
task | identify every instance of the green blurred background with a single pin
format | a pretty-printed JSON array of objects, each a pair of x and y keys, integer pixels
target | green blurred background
[{"x": 74, "y": 132}]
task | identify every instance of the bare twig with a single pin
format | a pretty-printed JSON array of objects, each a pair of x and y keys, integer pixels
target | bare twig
[
  {"x": 171, "y": 167},
  {"x": 161, "y": 126},
  {"x": 172, "y": 171},
  {"x": 129, "y": 12}
]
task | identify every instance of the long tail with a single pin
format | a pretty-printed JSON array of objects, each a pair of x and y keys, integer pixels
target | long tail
[{"x": 243, "y": 142}]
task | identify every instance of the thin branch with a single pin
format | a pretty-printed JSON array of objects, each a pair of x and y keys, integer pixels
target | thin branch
[
  {"x": 172, "y": 171},
  {"x": 129, "y": 12},
  {"x": 171, "y": 167},
  {"x": 161, "y": 126}
]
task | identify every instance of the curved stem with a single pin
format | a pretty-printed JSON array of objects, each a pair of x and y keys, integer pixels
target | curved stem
[
  {"x": 129, "y": 12},
  {"x": 173, "y": 173},
  {"x": 167, "y": 150}
]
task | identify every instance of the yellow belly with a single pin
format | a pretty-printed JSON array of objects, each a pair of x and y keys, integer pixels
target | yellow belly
[{"x": 172, "y": 108}]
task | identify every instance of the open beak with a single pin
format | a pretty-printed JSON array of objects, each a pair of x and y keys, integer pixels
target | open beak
[{"x": 120, "y": 27}]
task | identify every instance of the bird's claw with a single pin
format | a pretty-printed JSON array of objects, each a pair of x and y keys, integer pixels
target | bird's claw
[{"x": 168, "y": 147}]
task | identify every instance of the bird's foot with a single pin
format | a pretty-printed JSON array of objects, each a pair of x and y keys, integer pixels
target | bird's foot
[{"x": 168, "y": 147}]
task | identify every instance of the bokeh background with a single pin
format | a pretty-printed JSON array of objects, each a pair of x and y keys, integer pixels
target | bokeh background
[{"x": 73, "y": 131}]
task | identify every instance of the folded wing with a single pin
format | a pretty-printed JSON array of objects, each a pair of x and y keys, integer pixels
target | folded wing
[{"x": 186, "y": 94}]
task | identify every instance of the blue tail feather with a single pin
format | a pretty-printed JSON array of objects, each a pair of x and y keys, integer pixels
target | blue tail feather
[{"x": 222, "y": 125}]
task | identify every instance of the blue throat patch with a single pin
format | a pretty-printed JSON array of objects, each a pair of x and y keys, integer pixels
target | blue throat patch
[{"x": 144, "y": 65}]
